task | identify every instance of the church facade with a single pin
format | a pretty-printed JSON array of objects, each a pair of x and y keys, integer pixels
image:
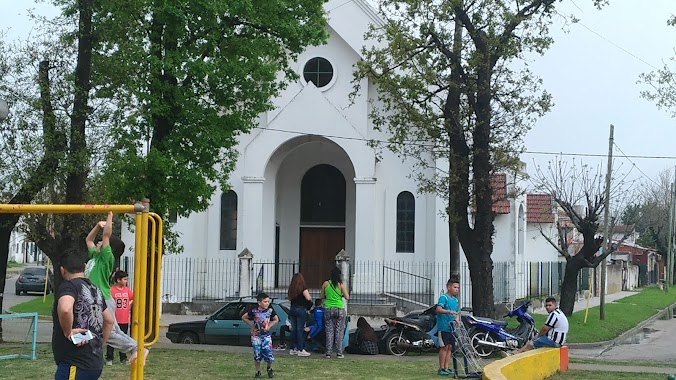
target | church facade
[{"x": 307, "y": 185}]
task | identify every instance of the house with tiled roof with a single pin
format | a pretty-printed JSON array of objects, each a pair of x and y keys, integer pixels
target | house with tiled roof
[{"x": 541, "y": 219}]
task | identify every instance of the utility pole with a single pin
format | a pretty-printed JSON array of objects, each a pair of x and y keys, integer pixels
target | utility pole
[
  {"x": 669, "y": 276},
  {"x": 668, "y": 268},
  {"x": 607, "y": 238}
]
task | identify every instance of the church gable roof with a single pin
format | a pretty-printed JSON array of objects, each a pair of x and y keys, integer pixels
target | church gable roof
[
  {"x": 310, "y": 112},
  {"x": 351, "y": 20}
]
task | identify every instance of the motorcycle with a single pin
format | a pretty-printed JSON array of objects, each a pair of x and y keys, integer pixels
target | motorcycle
[
  {"x": 414, "y": 331},
  {"x": 488, "y": 335}
]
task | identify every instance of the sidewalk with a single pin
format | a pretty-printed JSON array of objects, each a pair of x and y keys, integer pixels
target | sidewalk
[
  {"x": 620, "y": 368},
  {"x": 593, "y": 301}
]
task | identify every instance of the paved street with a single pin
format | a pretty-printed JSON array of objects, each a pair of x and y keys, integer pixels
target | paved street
[
  {"x": 654, "y": 344},
  {"x": 12, "y": 299}
]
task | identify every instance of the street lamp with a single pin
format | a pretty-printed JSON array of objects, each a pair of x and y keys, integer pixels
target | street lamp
[{"x": 4, "y": 109}]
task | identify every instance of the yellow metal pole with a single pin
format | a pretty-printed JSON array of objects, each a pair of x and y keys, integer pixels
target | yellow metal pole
[
  {"x": 586, "y": 311},
  {"x": 67, "y": 209},
  {"x": 151, "y": 275},
  {"x": 143, "y": 257},
  {"x": 44, "y": 294},
  {"x": 158, "y": 278},
  {"x": 137, "y": 310}
]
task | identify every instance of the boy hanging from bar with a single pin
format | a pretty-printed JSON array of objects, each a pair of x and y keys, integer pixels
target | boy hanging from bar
[{"x": 99, "y": 269}]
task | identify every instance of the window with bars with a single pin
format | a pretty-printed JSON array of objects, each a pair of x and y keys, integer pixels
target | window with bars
[
  {"x": 229, "y": 220},
  {"x": 405, "y": 222}
]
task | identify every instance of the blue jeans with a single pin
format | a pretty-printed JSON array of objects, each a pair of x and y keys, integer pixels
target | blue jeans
[
  {"x": 544, "y": 341},
  {"x": 298, "y": 317}
]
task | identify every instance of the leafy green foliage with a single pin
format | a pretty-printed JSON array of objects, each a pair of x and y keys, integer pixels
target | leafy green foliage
[
  {"x": 455, "y": 90},
  {"x": 188, "y": 77}
]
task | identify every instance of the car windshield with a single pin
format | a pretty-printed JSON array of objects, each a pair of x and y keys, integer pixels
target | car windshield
[{"x": 34, "y": 271}]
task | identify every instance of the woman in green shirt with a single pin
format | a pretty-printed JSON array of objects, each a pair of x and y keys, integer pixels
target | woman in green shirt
[{"x": 334, "y": 290}]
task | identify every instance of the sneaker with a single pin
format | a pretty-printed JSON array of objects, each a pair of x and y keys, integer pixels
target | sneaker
[
  {"x": 109, "y": 362},
  {"x": 303, "y": 353},
  {"x": 450, "y": 371},
  {"x": 443, "y": 372},
  {"x": 258, "y": 375},
  {"x": 280, "y": 347},
  {"x": 271, "y": 373},
  {"x": 293, "y": 352},
  {"x": 340, "y": 355},
  {"x": 328, "y": 355}
]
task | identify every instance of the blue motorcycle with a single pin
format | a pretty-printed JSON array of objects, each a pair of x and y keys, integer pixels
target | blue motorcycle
[{"x": 488, "y": 335}]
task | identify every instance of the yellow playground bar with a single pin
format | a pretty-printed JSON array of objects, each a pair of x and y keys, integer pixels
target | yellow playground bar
[{"x": 147, "y": 265}]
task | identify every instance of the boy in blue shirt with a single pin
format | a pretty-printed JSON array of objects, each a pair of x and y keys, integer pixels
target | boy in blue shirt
[
  {"x": 318, "y": 326},
  {"x": 261, "y": 319},
  {"x": 448, "y": 313}
]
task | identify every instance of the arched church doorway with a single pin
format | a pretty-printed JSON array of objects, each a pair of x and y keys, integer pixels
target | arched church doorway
[{"x": 322, "y": 222}]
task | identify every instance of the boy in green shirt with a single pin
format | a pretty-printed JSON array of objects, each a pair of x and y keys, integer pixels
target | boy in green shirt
[{"x": 99, "y": 269}]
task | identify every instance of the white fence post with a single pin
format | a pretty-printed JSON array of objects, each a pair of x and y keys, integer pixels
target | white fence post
[{"x": 245, "y": 260}]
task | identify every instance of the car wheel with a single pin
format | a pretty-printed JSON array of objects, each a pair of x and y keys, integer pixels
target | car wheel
[
  {"x": 188, "y": 338},
  {"x": 482, "y": 350},
  {"x": 392, "y": 345},
  {"x": 18, "y": 291}
]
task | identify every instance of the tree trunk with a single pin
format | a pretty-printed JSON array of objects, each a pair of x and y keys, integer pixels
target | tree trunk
[
  {"x": 78, "y": 157},
  {"x": 5, "y": 232},
  {"x": 481, "y": 273},
  {"x": 454, "y": 250},
  {"x": 569, "y": 285}
]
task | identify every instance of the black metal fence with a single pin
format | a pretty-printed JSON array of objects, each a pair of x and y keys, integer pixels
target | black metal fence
[{"x": 405, "y": 284}]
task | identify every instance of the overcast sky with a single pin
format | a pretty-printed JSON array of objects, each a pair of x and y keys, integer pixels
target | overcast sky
[{"x": 593, "y": 81}]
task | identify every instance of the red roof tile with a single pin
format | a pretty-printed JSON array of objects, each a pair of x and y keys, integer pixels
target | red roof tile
[
  {"x": 539, "y": 208},
  {"x": 500, "y": 201}
]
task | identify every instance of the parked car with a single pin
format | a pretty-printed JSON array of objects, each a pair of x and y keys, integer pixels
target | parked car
[
  {"x": 225, "y": 326},
  {"x": 32, "y": 279}
]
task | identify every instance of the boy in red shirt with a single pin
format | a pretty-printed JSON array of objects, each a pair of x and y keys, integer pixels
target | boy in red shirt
[{"x": 124, "y": 297}]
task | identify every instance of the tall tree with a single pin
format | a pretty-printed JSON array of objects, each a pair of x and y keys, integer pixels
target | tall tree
[
  {"x": 455, "y": 92},
  {"x": 188, "y": 78},
  {"x": 580, "y": 191},
  {"x": 650, "y": 215},
  {"x": 41, "y": 130}
]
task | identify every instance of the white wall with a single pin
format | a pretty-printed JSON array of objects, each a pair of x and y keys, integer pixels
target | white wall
[{"x": 537, "y": 247}]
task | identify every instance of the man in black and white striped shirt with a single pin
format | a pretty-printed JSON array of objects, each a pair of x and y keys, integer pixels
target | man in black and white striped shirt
[{"x": 555, "y": 330}]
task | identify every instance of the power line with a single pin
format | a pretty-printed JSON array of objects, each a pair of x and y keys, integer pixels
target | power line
[
  {"x": 412, "y": 142},
  {"x": 597, "y": 155},
  {"x": 604, "y": 38},
  {"x": 634, "y": 165}
]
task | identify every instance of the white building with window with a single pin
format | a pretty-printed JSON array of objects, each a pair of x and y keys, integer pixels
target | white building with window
[{"x": 307, "y": 186}]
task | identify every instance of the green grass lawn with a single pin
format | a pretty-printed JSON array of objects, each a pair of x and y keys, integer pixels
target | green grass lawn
[
  {"x": 184, "y": 364},
  {"x": 597, "y": 375},
  {"x": 193, "y": 364},
  {"x": 621, "y": 315},
  {"x": 36, "y": 304},
  {"x": 14, "y": 264}
]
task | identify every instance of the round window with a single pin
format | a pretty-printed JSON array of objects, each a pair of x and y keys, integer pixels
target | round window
[{"x": 318, "y": 71}]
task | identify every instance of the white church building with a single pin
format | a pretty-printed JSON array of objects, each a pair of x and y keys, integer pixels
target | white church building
[{"x": 307, "y": 185}]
